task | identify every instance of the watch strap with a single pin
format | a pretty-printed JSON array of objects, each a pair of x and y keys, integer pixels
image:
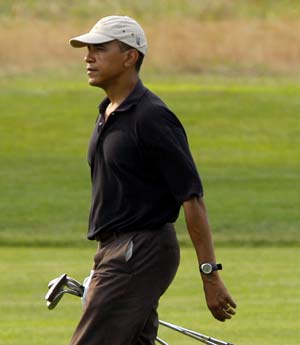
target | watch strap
[{"x": 217, "y": 267}]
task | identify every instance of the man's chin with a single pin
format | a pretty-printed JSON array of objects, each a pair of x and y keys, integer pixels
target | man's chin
[{"x": 93, "y": 82}]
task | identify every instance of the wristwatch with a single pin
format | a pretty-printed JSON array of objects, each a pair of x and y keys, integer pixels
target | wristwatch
[{"x": 207, "y": 268}]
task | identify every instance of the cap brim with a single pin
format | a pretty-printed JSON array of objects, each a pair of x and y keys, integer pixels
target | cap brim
[{"x": 89, "y": 38}]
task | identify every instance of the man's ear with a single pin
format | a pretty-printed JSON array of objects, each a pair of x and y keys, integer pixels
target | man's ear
[{"x": 131, "y": 57}]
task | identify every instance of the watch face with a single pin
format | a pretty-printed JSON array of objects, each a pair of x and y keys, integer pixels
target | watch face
[{"x": 206, "y": 268}]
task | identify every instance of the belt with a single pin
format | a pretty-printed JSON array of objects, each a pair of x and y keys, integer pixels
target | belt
[{"x": 107, "y": 236}]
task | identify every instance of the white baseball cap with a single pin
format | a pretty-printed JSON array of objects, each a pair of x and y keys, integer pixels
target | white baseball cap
[{"x": 121, "y": 28}]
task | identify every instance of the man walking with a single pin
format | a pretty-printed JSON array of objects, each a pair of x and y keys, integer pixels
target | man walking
[{"x": 142, "y": 173}]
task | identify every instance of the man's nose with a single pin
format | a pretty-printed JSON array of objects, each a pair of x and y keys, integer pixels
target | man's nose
[{"x": 88, "y": 57}]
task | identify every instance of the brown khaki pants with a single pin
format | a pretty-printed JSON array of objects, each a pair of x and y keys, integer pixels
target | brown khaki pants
[{"x": 132, "y": 271}]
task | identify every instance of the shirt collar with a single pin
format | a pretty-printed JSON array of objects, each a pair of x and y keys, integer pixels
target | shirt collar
[{"x": 132, "y": 99}]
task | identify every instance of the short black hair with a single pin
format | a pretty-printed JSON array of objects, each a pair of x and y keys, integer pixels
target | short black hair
[{"x": 123, "y": 46}]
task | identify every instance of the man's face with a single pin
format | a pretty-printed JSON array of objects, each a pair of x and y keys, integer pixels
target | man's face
[{"x": 104, "y": 63}]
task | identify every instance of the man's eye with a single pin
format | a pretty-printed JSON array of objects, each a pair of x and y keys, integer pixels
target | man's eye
[{"x": 100, "y": 48}]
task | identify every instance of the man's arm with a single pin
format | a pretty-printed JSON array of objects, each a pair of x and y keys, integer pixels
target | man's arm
[{"x": 217, "y": 297}]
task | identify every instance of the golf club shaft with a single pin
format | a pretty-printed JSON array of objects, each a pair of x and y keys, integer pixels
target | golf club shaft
[
  {"x": 159, "y": 340},
  {"x": 178, "y": 329},
  {"x": 201, "y": 337},
  {"x": 75, "y": 282},
  {"x": 214, "y": 340}
]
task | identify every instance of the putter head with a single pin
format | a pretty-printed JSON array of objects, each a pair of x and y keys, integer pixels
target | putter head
[
  {"x": 71, "y": 283},
  {"x": 54, "y": 291},
  {"x": 53, "y": 281},
  {"x": 57, "y": 298},
  {"x": 54, "y": 302}
]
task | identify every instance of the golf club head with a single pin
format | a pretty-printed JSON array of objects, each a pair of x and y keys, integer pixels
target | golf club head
[
  {"x": 70, "y": 283},
  {"x": 53, "y": 281},
  {"x": 52, "y": 304},
  {"x": 56, "y": 287}
]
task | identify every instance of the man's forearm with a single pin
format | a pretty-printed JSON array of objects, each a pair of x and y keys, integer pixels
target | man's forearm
[
  {"x": 217, "y": 297},
  {"x": 199, "y": 229}
]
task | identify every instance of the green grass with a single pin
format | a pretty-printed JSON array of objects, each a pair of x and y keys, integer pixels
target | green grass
[
  {"x": 244, "y": 135},
  {"x": 264, "y": 283}
]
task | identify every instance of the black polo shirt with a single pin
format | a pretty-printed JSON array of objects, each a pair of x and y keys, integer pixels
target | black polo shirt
[{"x": 141, "y": 166}]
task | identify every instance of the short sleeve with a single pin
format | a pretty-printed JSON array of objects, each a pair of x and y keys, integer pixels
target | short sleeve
[{"x": 164, "y": 139}]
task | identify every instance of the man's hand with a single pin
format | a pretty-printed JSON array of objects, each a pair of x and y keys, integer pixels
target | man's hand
[
  {"x": 218, "y": 300},
  {"x": 217, "y": 297}
]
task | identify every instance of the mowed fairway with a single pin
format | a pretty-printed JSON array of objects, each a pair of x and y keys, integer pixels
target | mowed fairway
[
  {"x": 244, "y": 135},
  {"x": 268, "y": 299}
]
